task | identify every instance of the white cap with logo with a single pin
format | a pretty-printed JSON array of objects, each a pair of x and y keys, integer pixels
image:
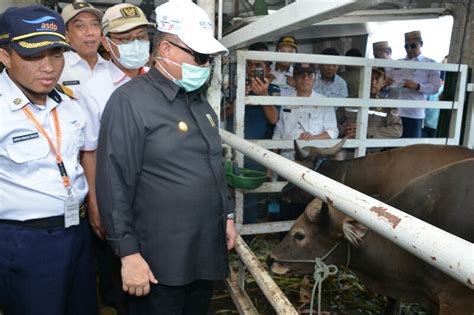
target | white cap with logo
[{"x": 191, "y": 24}]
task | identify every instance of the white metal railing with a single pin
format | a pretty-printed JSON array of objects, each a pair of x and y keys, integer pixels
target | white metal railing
[
  {"x": 453, "y": 255},
  {"x": 360, "y": 143}
]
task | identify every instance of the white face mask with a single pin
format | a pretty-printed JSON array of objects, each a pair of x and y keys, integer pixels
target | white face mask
[
  {"x": 193, "y": 77},
  {"x": 133, "y": 55}
]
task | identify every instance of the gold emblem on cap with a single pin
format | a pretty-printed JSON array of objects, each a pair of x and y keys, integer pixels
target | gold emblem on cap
[
  {"x": 17, "y": 101},
  {"x": 129, "y": 12},
  {"x": 182, "y": 126}
]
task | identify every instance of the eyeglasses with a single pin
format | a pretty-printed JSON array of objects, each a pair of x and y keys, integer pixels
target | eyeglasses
[
  {"x": 411, "y": 46},
  {"x": 126, "y": 40},
  {"x": 201, "y": 59}
]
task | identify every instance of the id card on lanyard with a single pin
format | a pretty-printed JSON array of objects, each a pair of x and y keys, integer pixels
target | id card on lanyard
[{"x": 71, "y": 205}]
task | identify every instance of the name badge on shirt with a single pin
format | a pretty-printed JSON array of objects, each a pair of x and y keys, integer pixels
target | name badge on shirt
[
  {"x": 75, "y": 82},
  {"x": 71, "y": 212},
  {"x": 29, "y": 136}
]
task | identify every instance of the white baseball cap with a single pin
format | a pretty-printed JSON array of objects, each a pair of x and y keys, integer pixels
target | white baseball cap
[{"x": 191, "y": 24}]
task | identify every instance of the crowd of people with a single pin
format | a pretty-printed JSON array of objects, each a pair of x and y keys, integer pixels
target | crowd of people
[
  {"x": 327, "y": 81},
  {"x": 111, "y": 159},
  {"x": 323, "y": 122}
]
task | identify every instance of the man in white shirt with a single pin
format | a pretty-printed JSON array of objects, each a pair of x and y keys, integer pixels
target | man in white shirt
[
  {"x": 46, "y": 264},
  {"x": 413, "y": 84},
  {"x": 83, "y": 34},
  {"x": 305, "y": 122},
  {"x": 282, "y": 72},
  {"x": 125, "y": 36}
]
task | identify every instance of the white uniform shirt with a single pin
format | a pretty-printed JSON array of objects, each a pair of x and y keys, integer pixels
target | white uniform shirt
[
  {"x": 77, "y": 71},
  {"x": 296, "y": 120},
  {"x": 429, "y": 84},
  {"x": 280, "y": 80},
  {"x": 30, "y": 183},
  {"x": 94, "y": 95}
]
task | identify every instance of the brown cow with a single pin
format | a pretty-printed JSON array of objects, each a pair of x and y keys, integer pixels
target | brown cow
[
  {"x": 381, "y": 174},
  {"x": 443, "y": 198}
]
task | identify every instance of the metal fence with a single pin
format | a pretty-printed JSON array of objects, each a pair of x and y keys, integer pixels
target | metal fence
[{"x": 363, "y": 103}]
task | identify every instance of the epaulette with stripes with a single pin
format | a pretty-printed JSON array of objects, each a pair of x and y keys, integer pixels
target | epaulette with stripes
[{"x": 65, "y": 90}]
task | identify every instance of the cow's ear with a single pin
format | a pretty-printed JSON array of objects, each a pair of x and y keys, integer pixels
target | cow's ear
[
  {"x": 314, "y": 209},
  {"x": 354, "y": 231}
]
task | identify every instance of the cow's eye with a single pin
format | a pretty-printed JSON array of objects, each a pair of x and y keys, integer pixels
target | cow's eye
[{"x": 299, "y": 236}]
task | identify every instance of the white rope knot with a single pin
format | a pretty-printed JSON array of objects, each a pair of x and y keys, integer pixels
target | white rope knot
[{"x": 321, "y": 272}]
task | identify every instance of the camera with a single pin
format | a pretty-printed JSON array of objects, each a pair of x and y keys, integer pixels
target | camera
[{"x": 259, "y": 73}]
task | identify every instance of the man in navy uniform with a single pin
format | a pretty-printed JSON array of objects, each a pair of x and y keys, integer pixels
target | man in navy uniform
[{"x": 46, "y": 264}]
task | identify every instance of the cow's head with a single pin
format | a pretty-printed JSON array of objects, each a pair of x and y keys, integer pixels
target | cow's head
[
  {"x": 314, "y": 233},
  {"x": 310, "y": 157}
]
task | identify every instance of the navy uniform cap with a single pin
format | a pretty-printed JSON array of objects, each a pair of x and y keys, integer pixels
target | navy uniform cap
[
  {"x": 304, "y": 68},
  {"x": 4, "y": 34},
  {"x": 33, "y": 29}
]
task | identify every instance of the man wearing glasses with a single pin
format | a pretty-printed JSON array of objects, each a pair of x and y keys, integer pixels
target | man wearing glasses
[
  {"x": 160, "y": 178},
  {"x": 125, "y": 37},
  {"x": 305, "y": 122},
  {"x": 413, "y": 84}
]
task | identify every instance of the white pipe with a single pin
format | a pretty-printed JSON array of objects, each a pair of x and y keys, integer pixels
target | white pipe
[
  {"x": 219, "y": 19},
  {"x": 446, "y": 252}
]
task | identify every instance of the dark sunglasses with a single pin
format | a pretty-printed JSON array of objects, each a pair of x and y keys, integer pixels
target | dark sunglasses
[
  {"x": 201, "y": 59},
  {"x": 412, "y": 46}
]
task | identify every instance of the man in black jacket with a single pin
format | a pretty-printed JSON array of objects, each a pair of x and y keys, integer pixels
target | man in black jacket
[{"x": 160, "y": 180}]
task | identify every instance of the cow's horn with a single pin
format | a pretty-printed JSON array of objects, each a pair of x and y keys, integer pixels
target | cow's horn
[
  {"x": 323, "y": 152},
  {"x": 313, "y": 209},
  {"x": 300, "y": 153}
]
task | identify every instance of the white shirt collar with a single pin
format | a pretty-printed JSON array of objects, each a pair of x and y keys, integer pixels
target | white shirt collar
[
  {"x": 76, "y": 59},
  {"x": 15, "y": 97}
]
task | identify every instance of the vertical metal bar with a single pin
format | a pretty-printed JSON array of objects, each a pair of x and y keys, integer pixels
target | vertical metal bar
[{"x": 363, "y": 113}]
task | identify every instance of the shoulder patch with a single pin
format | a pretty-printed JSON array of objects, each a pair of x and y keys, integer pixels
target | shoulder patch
[{"x": 65, "y": 90}]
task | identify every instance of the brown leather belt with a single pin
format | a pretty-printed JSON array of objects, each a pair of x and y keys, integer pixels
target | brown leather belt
[{"x": 46, "y": 223}]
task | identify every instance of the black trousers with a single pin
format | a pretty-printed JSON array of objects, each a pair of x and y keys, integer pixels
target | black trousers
[
  {"x": 411, "y": 127},
  {"x": 190, "y": 299}
]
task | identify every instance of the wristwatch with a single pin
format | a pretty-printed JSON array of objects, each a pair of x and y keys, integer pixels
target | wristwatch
[
  {"x": 418, "y": 86},
  {"x": 231, "y": 216}
]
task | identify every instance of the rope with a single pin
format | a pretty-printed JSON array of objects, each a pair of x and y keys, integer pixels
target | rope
[{"x": 321, "y": 272}]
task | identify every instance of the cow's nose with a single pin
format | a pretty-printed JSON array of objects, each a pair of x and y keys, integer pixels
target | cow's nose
[{"x": 270, "y": 261}]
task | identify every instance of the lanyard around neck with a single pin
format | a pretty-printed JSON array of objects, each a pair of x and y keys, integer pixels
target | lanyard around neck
[{"x": 56, "y": 149}]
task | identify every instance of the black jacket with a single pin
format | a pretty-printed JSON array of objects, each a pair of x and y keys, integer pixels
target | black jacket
[{"x": 160, "y": 180}]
